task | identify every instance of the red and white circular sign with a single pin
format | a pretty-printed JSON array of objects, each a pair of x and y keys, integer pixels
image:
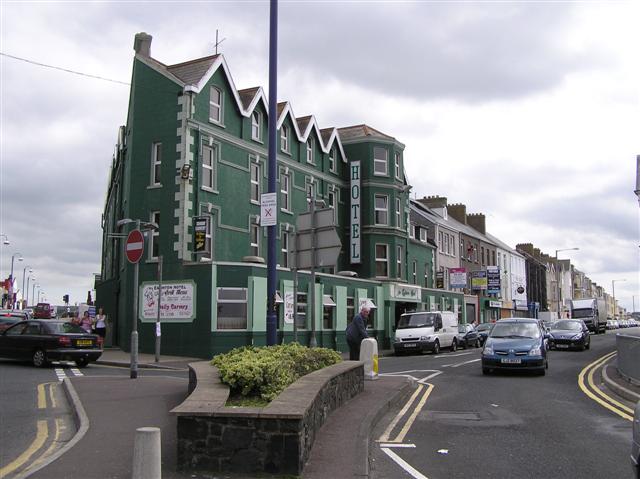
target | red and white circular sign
[{"x": 134, "y": 248}]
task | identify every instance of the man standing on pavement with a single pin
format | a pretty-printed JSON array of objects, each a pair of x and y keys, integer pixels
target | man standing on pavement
[{"x": 356, "y": 332}]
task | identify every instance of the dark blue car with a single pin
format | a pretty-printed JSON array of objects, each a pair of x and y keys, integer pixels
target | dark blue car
[{"x": 515, "y": 344}]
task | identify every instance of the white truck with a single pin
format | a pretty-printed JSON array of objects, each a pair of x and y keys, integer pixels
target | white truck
[{"x": 592, "y": 311}]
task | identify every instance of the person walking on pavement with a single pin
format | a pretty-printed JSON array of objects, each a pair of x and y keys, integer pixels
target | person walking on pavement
[
  {"x": 356, "y": 332},
  {"x": 86, "y": 323},
  {"x": 101, "y": 323}
]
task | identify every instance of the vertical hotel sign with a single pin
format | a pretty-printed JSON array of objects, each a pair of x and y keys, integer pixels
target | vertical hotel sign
[{"x": 354, "y": 245}]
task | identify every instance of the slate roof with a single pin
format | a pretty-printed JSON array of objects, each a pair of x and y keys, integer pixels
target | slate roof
[
  {"x": 303, "y": 122},
  {"x": 361, "y": 131},
  {"x": 192, "y": 71},
  {"x": 247, "y": 95}
]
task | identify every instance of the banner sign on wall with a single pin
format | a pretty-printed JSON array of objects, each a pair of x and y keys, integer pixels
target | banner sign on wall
[
  {"x": 479, "y": 280},
  {"x": 457, "y": 277},
  {"x": 354, "y": 213},
  {"x": 288, "y": 307},
  {"x": 177, "y": 304},
  {"x": 440, "y": 280},
  {"x": 493, "y": 280},
  {"x": 200, "y": 229}
]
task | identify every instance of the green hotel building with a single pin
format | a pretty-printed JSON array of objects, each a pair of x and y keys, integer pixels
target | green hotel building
[{"x": 192, "y": 160}]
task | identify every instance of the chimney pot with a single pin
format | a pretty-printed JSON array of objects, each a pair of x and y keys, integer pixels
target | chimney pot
[{"x": 142, "y": 44}]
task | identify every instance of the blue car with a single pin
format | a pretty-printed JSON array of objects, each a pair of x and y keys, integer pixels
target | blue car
[{"x": 515, "y": 344}]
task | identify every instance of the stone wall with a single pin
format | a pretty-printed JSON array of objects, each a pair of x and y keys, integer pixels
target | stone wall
[{"x": 274, "y": 439}]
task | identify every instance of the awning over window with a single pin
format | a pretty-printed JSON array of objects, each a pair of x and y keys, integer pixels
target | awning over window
[
  {"x": 278, "y": 298},
  {"x": 367, "y": 302},
  {"x": 328, "y": 301}
]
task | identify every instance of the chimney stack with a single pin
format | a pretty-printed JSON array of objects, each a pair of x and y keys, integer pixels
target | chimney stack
[
  {"x": 477, "y": 222},
  {"x": 434, "y": 201},
  {"x": 526, "y": 247},
  {"x": 458, "y": 211},
  {"x": 142, "y": 44}
]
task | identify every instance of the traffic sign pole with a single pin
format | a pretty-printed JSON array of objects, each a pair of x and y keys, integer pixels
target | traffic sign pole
[{"x": 133, "y": 370}]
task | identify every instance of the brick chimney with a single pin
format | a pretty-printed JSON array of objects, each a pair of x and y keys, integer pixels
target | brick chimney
[
  {"x": 477, "y": 222},
  {"x": 142, "y": 44},
  {"x": 434, "y": 201},
  {"x": 526, "y": 247},
  {"x": 458, "y": 211}
]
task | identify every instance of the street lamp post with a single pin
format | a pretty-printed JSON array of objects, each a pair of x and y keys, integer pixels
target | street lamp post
[
  {"x": 558, "y": 295},
  {"x": 33, "y": 290},
  {"x": 613, "y": 292},
  {"x": 20, "y": 258},
  {"x": 23, "y": 275},
  {"x": 27, "y": 290}
]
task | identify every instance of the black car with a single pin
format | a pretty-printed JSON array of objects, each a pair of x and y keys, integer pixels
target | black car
[
  {"x": 42, "y": 341},
  {"x": 468, "y": 336},
  {"x": 483, "y": 330},
  {"x": 569, "y": 334}
]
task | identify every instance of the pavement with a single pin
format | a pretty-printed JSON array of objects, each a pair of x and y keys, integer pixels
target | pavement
[{"x": 109, "y": 409}]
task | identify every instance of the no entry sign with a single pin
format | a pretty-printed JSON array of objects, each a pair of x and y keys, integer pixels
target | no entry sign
[{"x": 134, "y": 247}]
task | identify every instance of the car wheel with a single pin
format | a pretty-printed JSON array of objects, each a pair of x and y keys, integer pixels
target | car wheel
[
  {"x": 81, "y": 363},
  {"x": 39, "y": 358},
  {"x": 454, "y": 345},
  {"x": 436, "y": 347}
]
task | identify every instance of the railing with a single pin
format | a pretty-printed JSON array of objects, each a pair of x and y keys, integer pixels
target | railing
[{"x": 629, "y": 357}]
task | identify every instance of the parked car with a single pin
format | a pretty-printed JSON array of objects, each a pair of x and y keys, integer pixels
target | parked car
[
  {"x": 43, "y": 341},
  {"x": 483, "y": 330},
  {"x": 44, "y": 311},
  {"x": 8, "y": 318},
  {"x": 570, "y": 333},
  {"x": 426, "y": 331},
  {"x": 516, "y": 344},
  {"x": 635, "y": 441},
  {"x": 468, "y": 336}
]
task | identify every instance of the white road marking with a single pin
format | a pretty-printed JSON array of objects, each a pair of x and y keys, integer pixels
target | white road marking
[
  {"x": 403, "y": 464},
  {"x": 76, "y": 372},
  {"x": 61, "y": 374},
  {"x": 387, "y": 444},
  {"x": 451, "y": 355},
  {"x": 466, "y": 362},
  {"x": 403, "y": 411}
]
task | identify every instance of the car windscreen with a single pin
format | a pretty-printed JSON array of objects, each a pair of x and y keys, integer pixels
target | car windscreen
[
  {"x": 57, "y": 328},
  {"x": 416, "y": 320},
  {"x": 462, "y": 328},
  {"x": 484, "y": 327},
  {"x": 582, "y": 313},
  {"x": 515, "y": 330},
  {"x": 568, "y": 325}
]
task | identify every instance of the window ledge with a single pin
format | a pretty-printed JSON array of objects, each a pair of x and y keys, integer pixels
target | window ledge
[
  {"x": 154, "y": 187},
  {"x": 209, "y": 190},
  {"x": 288, "y": 212},
  {"x": 217, "y": 123}
]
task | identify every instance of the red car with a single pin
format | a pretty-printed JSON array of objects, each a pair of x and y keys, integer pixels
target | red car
[{"x": 44, "y": 311}]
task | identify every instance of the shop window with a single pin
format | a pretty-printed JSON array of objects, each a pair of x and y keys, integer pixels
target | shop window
[
  {"x": 232, "y": 308},
  {"x": 328, "y": 308},
  {"x": 350, "y": 309}
]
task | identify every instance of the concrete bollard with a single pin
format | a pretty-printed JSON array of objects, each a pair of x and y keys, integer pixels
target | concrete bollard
[
  {"x": 369, "y": 355},
  {"x": 147, "y": 463}
]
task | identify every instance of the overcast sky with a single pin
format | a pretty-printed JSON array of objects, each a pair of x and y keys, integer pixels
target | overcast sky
[{"x": 528, "y": 112}]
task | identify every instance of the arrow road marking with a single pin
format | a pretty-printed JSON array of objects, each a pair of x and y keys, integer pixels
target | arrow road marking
[{"x": 403, "y": 464}]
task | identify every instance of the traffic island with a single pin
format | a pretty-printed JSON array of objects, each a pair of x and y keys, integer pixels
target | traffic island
[{"x": 275, "y": 439}]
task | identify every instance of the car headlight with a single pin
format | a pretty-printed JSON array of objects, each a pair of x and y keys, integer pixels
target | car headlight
[
  {"x": 425, "y": 338},
  {"x": 487, "y": 350},
  {"x": 577, "y": 336},
  {"x": 535, "y": 351}
]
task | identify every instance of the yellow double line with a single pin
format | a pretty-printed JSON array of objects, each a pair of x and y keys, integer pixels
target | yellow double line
[
  {"x": 591, "y": 390},
  {"x": 405, "y": 429},
  {"x": 42, "y": 433}
]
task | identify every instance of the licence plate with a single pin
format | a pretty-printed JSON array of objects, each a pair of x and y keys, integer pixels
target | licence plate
[
  {"x": 562, "y": 346},
  {"x": 510, "y": 361},
  {"x": 409, "y": 345},
  {"x": 84, "y": 342}
]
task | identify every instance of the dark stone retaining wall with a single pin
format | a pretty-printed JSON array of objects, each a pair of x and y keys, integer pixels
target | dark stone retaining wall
[{"x": 273, "y": 439}]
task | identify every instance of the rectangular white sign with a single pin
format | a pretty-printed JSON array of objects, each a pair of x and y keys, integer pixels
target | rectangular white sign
[
  {"x": 288, "y": 307},
  {"x": 177, "y": 304},
  {"x": 269, "y": 209},
  {"x": 354, "y": 213}
]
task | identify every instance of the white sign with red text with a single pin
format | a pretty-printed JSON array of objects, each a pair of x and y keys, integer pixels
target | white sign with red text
[{"x": 176, "y": 305}]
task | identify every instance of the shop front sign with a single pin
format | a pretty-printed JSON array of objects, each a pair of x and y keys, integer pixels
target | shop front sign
[
  {"x": 479, "y": 280},
  {"x": 404, "y": 292},
  {"x": 493, "y": 280},
  {"x": 458, "y": 277},
  {"x": 177, "y": 305},
  {"x": 354, "y": 213}
]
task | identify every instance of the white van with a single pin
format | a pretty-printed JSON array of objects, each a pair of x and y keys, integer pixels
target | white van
[{"x": 426, "y": 331}]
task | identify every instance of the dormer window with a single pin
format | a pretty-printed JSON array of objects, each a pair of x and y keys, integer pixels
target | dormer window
[
  {"x": 256, "y": 126},
  {"x": 332, "y": 160},
  {"x": 215, "y": 105},
  {"x": 284, "y": 138},
  {"x": 310, "y": 148}
]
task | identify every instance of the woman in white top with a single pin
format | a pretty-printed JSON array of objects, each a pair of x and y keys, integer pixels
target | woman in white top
[{"x": 101, "y": 323}]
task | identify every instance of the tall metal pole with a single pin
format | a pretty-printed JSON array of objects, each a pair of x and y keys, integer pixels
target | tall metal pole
[
  {"x": 271, "y": 230},
  {"x": 158, "y": 316},
  {"x": 557, "y": 285},
  {"x": 134, "y": 320},
  {"x": 613, "y": 290},
  {"x": 312, "y": 340},
  {"x": 24, "y": 271},
  {"x": 295, "y": 288}
]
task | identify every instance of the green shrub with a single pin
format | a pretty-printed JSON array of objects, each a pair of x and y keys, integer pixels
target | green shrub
[{"x": 266, "y": 371}]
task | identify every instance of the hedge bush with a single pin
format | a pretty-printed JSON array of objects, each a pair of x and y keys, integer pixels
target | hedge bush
[{"x": 266, "y": 371}]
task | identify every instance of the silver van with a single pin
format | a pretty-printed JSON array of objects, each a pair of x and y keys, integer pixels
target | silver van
[{"x": 426, "y": 331}]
